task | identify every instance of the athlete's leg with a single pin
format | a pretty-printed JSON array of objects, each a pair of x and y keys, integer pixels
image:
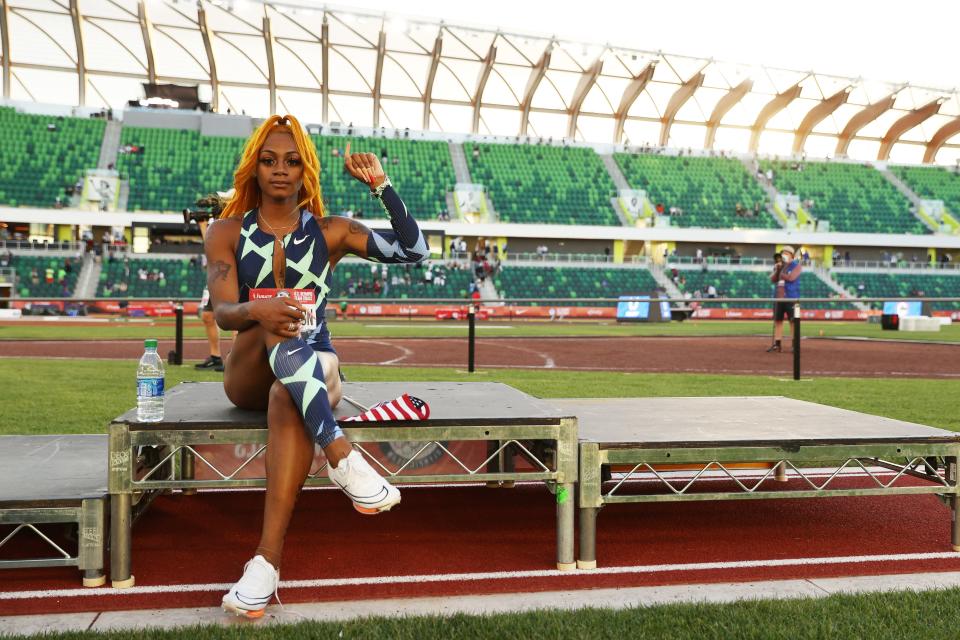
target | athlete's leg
[
  {"x": 778, "y": 329},
  {"x": 213, "y": 333},
  {"x": 290, "y": 452}
]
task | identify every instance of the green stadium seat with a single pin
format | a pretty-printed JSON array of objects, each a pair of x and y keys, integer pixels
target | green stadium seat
[
  {"x": 706, "y": 189},
  {"x": 933, "y": 183},
  {"x": 38, "y": 163},
  {"x": 853, "y": 197},
  {"x": 544, "y": 184},
  {"x": 901, "y": 285},
  {"x": 751, "y": 284}
]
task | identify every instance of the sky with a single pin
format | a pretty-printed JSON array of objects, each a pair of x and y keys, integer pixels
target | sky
[{"x": 902, "y": 41}]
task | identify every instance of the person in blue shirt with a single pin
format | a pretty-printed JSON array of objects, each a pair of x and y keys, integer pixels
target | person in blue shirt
[{"x": 786, "y": 280}]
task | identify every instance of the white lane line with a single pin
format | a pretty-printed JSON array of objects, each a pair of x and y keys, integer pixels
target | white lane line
[
  {"x": 548, "y": 362},
  {"x": 404, "y": 352},
  {"x": 492, "y": 575},
  {"x": 457, "y": 327}
]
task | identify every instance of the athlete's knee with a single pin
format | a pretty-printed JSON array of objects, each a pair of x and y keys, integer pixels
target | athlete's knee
[{"x": 279, "y": 396}]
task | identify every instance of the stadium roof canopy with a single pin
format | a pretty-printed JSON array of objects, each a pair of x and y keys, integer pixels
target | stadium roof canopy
[{"x": 328, "y": 64}]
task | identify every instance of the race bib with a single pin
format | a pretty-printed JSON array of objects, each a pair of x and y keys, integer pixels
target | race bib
[{"x": 306, "y": 297}]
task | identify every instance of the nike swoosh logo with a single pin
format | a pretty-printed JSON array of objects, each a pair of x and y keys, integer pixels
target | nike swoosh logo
[
  {"x": 300, "y": 241},
  {"x": 290, "y": 353},
  {"x": 253, "y": 600}
]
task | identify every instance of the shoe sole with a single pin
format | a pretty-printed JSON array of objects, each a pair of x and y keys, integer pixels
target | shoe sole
[
  {"x": 243, "y": 613},
  {"x": 370, "y": 511}
]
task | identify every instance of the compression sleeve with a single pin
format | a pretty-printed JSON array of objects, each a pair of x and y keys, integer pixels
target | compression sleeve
[{"x": 405, "y": 243}]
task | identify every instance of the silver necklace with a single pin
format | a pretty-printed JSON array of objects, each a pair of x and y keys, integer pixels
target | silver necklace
[{"x": 263, "y": 219}]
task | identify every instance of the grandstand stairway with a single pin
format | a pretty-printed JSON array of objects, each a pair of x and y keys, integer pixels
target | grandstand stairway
[
  {"x": 110, "y": 145},
  {"x": 614, "y": 170},
  {"x": 908, "y": 193},
  {"x": 767, "y": 188},
  {"x": 460, "y": 168},
  {"x": 824, "y": 275},
  {"x": 488, "y": 292},
  {"x": 664, "y": 280},
  {"x": 89, "y": 278}
]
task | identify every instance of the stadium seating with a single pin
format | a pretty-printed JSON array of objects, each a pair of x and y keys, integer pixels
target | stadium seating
[
  {"x": 901, "y": 285},
  {"x": 751, "y": 284},
  {"x": 36, "y": 163},
  {"x": 706, "y": 189},
  {"x": 181, "y": 279},
  {"x": 363, "y": 274},
  {"x": 24, "y": 267},
  {"x": 175, "y": 167},
  {"x": 544, "y": 184},
  {"x": 853, "y": 197},
  {"x": 421, "y": 170},
  {"x": 933, "y": 183},
  {"x": 573, "y": 282}
]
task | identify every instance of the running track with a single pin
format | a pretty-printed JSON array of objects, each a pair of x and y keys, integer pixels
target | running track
[
  {"x": 466, "y": 540},
  {"x": 730, "y": 355}
]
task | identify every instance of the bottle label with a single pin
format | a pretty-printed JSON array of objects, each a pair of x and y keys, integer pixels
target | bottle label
[{"x": 149, "y": 387}]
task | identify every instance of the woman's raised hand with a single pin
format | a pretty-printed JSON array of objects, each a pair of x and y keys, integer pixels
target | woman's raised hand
[{"x": 365, "y": 167}]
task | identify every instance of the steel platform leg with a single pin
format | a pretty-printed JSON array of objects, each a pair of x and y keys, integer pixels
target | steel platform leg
[
  {"x": 565, "y": 535},
  {"x": 121, "y": 522},
  {"x": 91, "y": 535},
  {"x": 955, "y": 523},
  {"x": 588, "y": 538},
  {"x": 188, "y": 470}
]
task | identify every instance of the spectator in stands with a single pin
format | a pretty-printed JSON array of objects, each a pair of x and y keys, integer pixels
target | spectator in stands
[
  {"x": 699, "y": 257},
  {"x": 660, "y": 208},
  {"x": 6, "y": 259},
  {"x": 786, "y": 279},
  {"x": 48, "y": 275},
  {"x": 739, "y": 210},
  {"x": 846, "y": 258},
  {"x": 711, "y": 291}
]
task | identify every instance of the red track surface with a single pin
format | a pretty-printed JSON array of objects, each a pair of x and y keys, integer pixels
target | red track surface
[
  {"x": 205, "y": 539},
  {"x": 737, "y": 355}
]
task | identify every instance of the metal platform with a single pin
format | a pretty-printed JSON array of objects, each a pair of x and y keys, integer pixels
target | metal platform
[
  {"x": 477, "y": 431},
  {"x": 55, "y": 479},
  {"x": 680, "y": 445}
]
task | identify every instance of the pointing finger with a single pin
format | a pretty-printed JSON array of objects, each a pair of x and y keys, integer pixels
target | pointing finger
[{"x": 346, "y": 152}]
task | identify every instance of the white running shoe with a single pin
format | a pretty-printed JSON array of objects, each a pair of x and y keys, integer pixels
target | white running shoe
[
  {"x": 251, "y": 595},
  {"x": 369, "y": 492}
]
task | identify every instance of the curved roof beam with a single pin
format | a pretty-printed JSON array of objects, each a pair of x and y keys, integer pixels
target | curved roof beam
[
  {"x": 431, "y": 76},
  {"x": 482, "y": 83},
  {"x": 146, "y": 29},
  {"x": 536, "y": 75},
  {"x": 816, "y": 115},
  {"x": 939, "y": 138},
  {"x": 5, "y": 34},
  {"x": 81, "y": 62},
  {"x": 378, "y": 77},
  {"x": 630, "y": 95},
  {"x": 861, "y": 119},
  {"x": 271, "y": 71},
  {"x": 211, "y": 63},
  {"x": 677, "y": 100},
  {"x": 772, "y": 108},
  {"x": 586, "y": 82},
  {"x": 723, "y": 106},
  {"x": 325, "y": 69},
  {"x": 904, "y": 124}
]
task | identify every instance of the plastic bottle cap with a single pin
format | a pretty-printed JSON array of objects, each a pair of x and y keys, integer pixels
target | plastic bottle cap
[{"x": 151, "y": 343}]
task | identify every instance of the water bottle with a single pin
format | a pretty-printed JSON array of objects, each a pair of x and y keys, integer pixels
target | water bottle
[{"x": 150, "y": 384}]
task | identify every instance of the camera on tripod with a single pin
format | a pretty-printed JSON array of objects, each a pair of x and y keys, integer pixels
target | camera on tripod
[{"x": 207, "y": 208}]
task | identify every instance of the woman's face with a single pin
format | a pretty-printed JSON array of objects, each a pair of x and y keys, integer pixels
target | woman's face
[{"x": 279, "y": 167}]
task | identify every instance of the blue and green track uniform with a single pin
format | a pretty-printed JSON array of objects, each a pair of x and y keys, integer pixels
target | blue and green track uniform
[{"x": 294, "y": 361}]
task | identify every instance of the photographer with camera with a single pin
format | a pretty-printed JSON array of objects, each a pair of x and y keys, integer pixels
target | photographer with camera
[
  {"x": 786, "y": 280},
  {"x": 208, "y": 208}
]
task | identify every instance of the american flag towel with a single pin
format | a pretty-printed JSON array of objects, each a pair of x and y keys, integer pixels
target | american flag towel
[{"x": 406, "y": 407}]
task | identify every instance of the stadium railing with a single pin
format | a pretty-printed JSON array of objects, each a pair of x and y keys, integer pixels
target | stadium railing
[{"x": 29, "y": 245}]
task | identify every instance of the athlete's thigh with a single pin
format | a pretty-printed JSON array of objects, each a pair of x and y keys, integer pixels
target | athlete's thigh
[
  {"x": 331, "y": 373},
  {"x": 247, "y": 375}
]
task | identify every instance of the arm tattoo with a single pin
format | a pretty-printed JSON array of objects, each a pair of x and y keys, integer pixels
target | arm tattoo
[
  {"x": 356, "y": 227},
  {"x": 219, "y": 270}
]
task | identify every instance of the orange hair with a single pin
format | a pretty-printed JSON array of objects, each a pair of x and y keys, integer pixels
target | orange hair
[{"x": 246, "y": 190}]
